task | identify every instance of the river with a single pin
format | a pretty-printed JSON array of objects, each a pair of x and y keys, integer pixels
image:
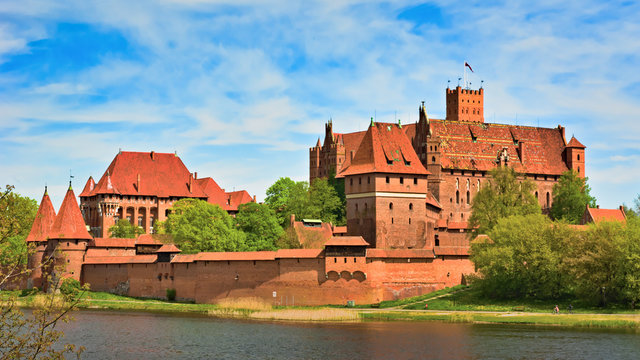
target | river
[{"x": 125, "y": 335}]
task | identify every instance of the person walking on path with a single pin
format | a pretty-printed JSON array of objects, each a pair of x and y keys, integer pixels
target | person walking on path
[{"x": 556, "y": 310}]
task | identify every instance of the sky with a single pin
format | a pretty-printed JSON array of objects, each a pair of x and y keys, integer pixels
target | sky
[{"x": 241, "y": 89}]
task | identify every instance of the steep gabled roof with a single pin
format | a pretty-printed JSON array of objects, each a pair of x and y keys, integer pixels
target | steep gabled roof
[
  {"x": 45, "y": 217},
  {"x": 574, "y": 143},
  {"x": 236, "y": 198},
  {"x": 599, "y": 215},
  {"x": 475, "y": 146},
  {"x": 385, "y": 149},
  {"x": 168, "y": 248},
  {"x": 69, "y": 223},
  {"x": 161, "y": 174},
  {"x": 88, "y": 187},
  {"x": 215, "y": 194}
]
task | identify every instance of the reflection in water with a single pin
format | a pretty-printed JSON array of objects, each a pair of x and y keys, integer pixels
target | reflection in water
[{"x": 118, "y": 335}]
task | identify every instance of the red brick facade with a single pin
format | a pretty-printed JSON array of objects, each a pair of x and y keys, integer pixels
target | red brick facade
[{"x": 142, "y": 186}]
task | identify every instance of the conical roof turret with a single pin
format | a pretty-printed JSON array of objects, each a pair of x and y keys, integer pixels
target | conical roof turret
[
  {"x": 44, "y": 220},
  {"x": 69, "y": 223}
]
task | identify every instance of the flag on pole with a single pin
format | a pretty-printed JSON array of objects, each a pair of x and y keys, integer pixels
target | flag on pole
[{"x": 467, "y": 65}]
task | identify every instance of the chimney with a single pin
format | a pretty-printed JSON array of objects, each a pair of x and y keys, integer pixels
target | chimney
[
  {"x": 521, "y": 150},
  {"x": 138, "y": 182},
  {"x": 597, "y": 206},
  {"x": 351, "y": 159},
  {"x": 562, "y": 132},
  {"x": 292, "y": 219},
  {"x": 153, "y": 155},
  {"x": 195, "y": 175},
  {"x": 190, "y": 182},
  {"x": 254, "y": 198}
]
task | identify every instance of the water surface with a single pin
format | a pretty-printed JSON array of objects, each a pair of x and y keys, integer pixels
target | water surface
[{"x": 122, "y": 335}]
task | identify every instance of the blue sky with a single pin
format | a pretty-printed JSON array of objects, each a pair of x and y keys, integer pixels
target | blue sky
[{"x": 242, "y": 89}]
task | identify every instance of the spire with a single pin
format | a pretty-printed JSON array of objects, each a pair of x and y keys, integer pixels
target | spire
[
  {"x": 318, "y": 143},
  {"x": 43, "y": 222},
  {"x": 372, "y": 123},
  {"x": 69, "y": 223}
]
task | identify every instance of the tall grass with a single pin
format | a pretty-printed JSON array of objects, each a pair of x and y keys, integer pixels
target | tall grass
[
  {"x": 327, "y": 314},
  {"x": 244, "y": 303}
]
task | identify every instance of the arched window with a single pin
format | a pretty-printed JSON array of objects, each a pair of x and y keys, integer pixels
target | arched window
[
  {"x": 536, "y": 195},
  {"x": 410, "y": 206},
  {"x": 468, "y": 182},
  {"x": 478, "y": 184},
  {"x": 409, "y": 221},
  {"x": 468, "y": 197},
  {"x": 390, "y": 206},
  {"x": 457, "y": 197},
  {"x": 578, "y": 169},
  {"x": 387, "y": 179},
  {"x": 356, "y": 207},
  {"x": 548, "y": 199},
  {"x": 433, "y": 159},
  {"x": 457, "y": 184},
  {"x": 578, "y": 157},
  {"x": 365, "y": 206}
]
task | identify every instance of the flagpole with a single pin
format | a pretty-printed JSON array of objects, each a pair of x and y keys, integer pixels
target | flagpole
[{"x": 464, "y": 70}]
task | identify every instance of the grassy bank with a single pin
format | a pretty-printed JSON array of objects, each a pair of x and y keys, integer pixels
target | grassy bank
[{"x": 448, "y": 305}]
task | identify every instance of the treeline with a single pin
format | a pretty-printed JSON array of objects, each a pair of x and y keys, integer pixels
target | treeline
[
  {"x": 529, "y": 255},
  {"x": 195, "y": 225}
]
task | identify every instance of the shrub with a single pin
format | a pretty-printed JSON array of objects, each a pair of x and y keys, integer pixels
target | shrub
[
  {"x": 171, "y": 294},
  {"x": 70, "y": 286},
  {"x": 27, "y": 292}
]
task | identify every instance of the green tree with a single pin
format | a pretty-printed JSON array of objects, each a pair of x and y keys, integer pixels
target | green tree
[
  {"x": 197, "y": 225},
  {"x": 124, "y": 229},
  {"x": 571, "y": 198},
  {"x": 504, "y": 196},
  {"x": 325, "y": 203},
  {"x": 260, "y": 225},
  {"x": 524, "y": 259},
  {"x": 286, "y": 197},
  {"x": 16, "y": 218}
]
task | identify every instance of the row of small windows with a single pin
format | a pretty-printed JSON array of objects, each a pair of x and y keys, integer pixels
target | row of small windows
[{"x": 387, "y": 180}]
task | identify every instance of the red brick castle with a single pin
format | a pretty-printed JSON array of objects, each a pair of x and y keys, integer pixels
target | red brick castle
[
  {"x": 415, "y": 182},
  {"x": 409, "y": 189}
]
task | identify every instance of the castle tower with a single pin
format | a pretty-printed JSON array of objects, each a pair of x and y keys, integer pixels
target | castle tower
[
  {"x": 465, "y": 105},
  {"x": 574, "y": 156},
  {"x": 38, "y": 236},
  {"x": 386, "y": 188},
  {"x": 69, "y": 236},
  {"x": 314, "y": 161}
]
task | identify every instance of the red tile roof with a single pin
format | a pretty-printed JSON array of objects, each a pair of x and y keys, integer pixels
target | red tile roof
[
  {"x": 148, "y": 239},
  {"x": 574, "y": 143},
  {"x": 599, "y": 215},
  {"x": 339, "y": 230},
  {"x": 44, "y": 220},
  {"x": 136, "y": 259},
  {"x": 168, "y": 248},
  {"x": 346, "y": 241},
  {"x": 161, "y": 174},
  {"x": 183, "y": 258},
  {"x": 236, "y": 256},
  {"x": 431, "y": 200},
  {"x": 69, "y": 223},
  {"x": 237, "y": 198},
  {"x": 298, "y": 253},
  {"x": 451, "y": 250},
  {"x": 88, "y": 187},
  {"x": 114, "y": 242},
  {"x": 385, "y": 149},
  {"x": 214, "y": 192},
  {"x": 401, "y": 253},
  {"x": 312, "y": 237},
  {"x": 475, "y": 146},
  {"x": 457, "y": 225}
]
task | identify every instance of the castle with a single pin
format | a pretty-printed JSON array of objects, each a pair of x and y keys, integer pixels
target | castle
[
  {"x": 142, "y": 187},
  {"x": 439, "y": 165},
  {"x": 408, "y": 187}
]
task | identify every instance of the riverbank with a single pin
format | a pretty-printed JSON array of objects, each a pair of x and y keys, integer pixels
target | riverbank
[{"x": 403, "y": 310}]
